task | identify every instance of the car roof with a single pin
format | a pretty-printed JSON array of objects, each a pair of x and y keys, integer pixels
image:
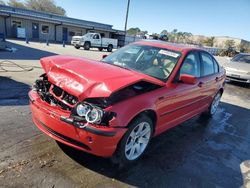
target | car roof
[{"x": 168, "y": 45}]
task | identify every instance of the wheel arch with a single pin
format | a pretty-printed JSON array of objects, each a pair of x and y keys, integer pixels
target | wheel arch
[
  {"x": 87, "y": 42},
  {"x": 149, "y": 113},
  {"x": 221, "y": 90}
]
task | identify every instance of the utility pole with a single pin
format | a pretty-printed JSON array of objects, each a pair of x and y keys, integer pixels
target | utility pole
[{"x": 126, "y": 17}]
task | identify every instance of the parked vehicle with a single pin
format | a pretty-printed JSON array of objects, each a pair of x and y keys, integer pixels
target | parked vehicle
[
  {"x": 114, "y": 107},
  {"x": 94, "y": 40},
  {"x": 238, "y": 69},
  {"x": 163, "y": 37}
]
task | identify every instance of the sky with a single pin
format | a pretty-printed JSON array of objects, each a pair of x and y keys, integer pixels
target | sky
[{"x": 200, "y": 17}]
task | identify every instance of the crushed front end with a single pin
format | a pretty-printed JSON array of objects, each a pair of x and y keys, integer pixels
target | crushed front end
[{"x": 84, "y": 125}]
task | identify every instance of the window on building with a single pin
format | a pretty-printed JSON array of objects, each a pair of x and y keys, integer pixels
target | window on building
[
  {"x": 16, "y": 23},
  {"x": 45, "y": 29},
  {"x": 71, "y": 33}
]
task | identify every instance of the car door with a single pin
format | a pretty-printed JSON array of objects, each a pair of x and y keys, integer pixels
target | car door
[
  {"x": 181, "y": 101},
  {"x": 96, "y": 41},
  {"x": 209, "y": 81}
]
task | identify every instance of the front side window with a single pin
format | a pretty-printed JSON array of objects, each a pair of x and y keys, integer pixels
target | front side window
[
  {"x": 153, "y": 61},
  {"x": 191, "y": 65},
  {"x": 96, "y": 36},
  {"x": 207, "y": 64},
  {"x": 45, "y": 29}
]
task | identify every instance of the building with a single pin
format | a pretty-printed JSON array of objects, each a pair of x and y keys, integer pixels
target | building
[{"x": 41, "y": 26}]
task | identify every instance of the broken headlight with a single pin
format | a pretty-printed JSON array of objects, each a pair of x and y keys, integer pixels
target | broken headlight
[{"x": 92, "y": 114}]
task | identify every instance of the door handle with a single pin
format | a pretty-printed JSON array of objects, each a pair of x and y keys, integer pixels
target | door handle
[
  {"x": 161, "y": 98},
  {"x": 200, "y": 84}
]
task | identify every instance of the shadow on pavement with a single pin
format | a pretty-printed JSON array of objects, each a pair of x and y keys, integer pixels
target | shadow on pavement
[
  {"x": 13, "y": 93},
  {"x": 198, "y": 153},
  {"x": 239, "y": 84},
  {"x": 22, "y": 52}
]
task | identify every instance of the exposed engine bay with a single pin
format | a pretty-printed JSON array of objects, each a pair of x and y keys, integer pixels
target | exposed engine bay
[{"x": 91, "y": 110}]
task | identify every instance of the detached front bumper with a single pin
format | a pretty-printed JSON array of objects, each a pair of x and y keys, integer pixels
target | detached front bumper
[{"x": 54, "y": 122}]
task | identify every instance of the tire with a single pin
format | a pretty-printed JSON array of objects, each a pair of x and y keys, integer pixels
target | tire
[
  {"x": 86, "y": 46},
  {"x": 100, "y": 49},
  {"x": 77, "y": 47},
  {"x": 213, "y": 106},
  {"x": 134, "y": 143},
  {"x": 110, "y": 48}
]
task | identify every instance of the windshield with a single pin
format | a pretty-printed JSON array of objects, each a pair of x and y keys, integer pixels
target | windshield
[
  {"x": 153, "y": 61},
  {"x": 88, "y": 35},
  {"x": 243, "y": 58}
]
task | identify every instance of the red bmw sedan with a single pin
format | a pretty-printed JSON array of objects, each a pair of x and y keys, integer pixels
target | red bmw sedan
[{"x": 115, "y": 106}]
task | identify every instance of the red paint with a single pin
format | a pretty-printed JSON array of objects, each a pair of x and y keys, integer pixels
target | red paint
[
  {"x": 173, "y": 103},
  {"x": 188, "y": 79}
]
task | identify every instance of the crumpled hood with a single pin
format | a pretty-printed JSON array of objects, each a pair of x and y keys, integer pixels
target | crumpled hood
[{"x": 86, "y": 78}]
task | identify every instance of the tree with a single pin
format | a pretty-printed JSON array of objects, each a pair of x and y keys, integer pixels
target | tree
[
  {"x": 45, "y": 6},
  {"x": 133, "y": 31},
  {"x": 208, "y": 41},
  {"x": 2, "y": 2},
  {"x": 243, "y": 47},
  {"x": 16, "y": 3},
  {"x": 164, "y": 32},
  {"x": 136, "y": 31},
  {"x": 229, "y": 44}
]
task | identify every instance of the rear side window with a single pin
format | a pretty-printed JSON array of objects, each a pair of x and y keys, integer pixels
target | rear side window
[
  {"x": 207, "y": 64},
  {"x": 191, "y": 65},
  {"x": 216, "y": 66}
]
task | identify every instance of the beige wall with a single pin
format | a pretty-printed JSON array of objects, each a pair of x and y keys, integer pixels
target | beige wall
[{"x": 27, "y": 24}]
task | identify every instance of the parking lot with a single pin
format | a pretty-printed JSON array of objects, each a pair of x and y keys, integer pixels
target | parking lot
[{"x": 198, "y": 153}]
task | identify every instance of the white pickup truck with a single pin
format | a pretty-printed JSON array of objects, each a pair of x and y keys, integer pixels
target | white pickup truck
[{"x": 94, "y": 40}]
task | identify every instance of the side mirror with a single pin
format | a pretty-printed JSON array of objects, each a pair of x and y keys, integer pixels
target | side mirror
[
  {"x": 188, "y": 79},
  {"x": 103, "y": 56}
]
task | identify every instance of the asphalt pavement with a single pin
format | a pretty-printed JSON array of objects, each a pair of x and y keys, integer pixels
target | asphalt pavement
[{"x": 197, "y": 153}]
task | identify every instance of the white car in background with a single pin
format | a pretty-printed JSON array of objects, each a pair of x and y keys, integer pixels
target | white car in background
[
  {"x": 238, "y": 69},
  {"x": 94, "y": 40}
]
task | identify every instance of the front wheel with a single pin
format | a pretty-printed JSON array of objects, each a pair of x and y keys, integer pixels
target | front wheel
[
  {"x": 135, "y": 140},
  {"x": 77, "y": 47},
  {"x": 86, "y": 46},
  {"x": 100, "y": 49}
]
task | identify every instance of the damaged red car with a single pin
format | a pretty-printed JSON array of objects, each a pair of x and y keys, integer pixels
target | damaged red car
[{"x": 115, "y": 106}]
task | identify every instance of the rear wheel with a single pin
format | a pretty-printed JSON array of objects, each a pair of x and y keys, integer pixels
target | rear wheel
[
  {"x": 86, "y": 46},
  {"x": 214, "y": 105},
  {"x": 135, "y": 140},
  {"x": 77, "y": 47},
  {"x": 100, "y": 49},
  {"x": 110, "y": 48}
]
